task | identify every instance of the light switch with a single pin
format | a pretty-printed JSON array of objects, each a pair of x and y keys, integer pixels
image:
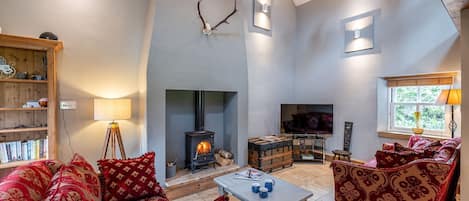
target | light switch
[{"x": 68, "y": 105}]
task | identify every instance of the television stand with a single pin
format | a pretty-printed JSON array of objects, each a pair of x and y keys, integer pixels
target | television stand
[{"x": 308, "y": 147}]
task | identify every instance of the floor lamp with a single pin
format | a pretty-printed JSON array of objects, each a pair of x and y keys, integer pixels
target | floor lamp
[
  {"x": 450, "y": 97},
  {"x": 112, "y": 110}
]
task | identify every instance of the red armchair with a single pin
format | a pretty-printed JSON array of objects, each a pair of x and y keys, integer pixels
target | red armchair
[{"x": 430, "y": 179}]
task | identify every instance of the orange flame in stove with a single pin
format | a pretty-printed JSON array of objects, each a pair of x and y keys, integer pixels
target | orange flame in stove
[{"x": 204, "y": 147}]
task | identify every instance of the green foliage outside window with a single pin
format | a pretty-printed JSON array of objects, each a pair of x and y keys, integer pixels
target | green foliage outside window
[{"x": 407, "y": 100}]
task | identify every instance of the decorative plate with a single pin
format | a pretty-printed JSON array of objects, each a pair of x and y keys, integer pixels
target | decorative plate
[{"x": 6, "y": 70}]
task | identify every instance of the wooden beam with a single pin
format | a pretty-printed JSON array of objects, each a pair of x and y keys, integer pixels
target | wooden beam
[
  {"x": 405, "y": 136},
  {"x": 422, "y": 76}
]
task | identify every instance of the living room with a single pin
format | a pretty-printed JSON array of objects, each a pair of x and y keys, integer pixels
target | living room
[{"x": 159, "y": 53}]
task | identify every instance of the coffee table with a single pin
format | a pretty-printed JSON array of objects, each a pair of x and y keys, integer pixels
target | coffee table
[{"x": 241, "y": 189}]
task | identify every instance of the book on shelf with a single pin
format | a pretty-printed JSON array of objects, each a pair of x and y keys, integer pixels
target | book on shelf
[{"x": 23, "y": 150}]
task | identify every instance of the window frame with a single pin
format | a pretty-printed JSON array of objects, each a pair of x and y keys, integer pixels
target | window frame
[{"x": 391, "y": 111}]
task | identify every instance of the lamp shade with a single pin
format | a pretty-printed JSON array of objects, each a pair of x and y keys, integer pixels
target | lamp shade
[
  {"x": 449, "y": 97},
  {"x": 112, "y": 109}
]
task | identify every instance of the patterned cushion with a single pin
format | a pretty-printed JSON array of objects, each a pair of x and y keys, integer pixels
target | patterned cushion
[
  {"x": 388, "y": 147},
  {"x": 75, "y": 182},
  {"x": 53, "y": 165},
  {"x": 399, "y": 148},
  {"x": 90, "y": 176},
  {"x": 27, "y": 183},
  {"x": 389, "y": 159},
  {"x": 130, "y": 179},
  {"x": 447, "y": 149},
  {"x": 425, "y": 143},
  {"x": 81, "y": 162},
  {"x": 434, "y": 146}
]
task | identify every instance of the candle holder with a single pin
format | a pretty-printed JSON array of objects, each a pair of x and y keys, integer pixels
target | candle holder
[{"x": 417, "y": 130}]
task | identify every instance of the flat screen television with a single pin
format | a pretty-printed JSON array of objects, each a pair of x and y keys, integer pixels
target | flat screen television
[{"x": 307, "y": 119}]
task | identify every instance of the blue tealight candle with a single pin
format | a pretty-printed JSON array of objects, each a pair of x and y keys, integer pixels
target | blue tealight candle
[
  {"x": 263, "y": 193},
  {"x": 269, "y": 184},
  {"x": 255, "y": 187}
]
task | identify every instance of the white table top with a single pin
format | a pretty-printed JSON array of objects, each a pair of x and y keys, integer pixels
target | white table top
[{"x": 241, "y": 188}]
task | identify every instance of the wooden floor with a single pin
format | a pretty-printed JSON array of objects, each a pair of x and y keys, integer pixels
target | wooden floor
[{"x": 315, "y": 177}]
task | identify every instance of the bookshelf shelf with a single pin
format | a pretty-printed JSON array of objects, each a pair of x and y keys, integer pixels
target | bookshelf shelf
[
  {"x": 21, "y": 130},
  {"x": 16, "y": 163},
  {"x": 20, "y": 152},
  {"x": 24, "y": 81},
  {"x": 23, "y": 109}
]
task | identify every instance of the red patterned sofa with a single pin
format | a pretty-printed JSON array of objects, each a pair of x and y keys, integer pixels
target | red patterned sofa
[
  {"x": 429, "y": 179},
  {"x": 52, "y": 180}
]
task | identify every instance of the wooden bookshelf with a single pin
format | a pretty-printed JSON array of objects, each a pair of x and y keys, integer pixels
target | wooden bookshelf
[
  {"x": 16, "y": 163},
  {"x": 24, "y": 109},
  {"x": 36, "y": 57},
  {"x": 24, "y": 81},
  {"x": 22, "y": 130}
]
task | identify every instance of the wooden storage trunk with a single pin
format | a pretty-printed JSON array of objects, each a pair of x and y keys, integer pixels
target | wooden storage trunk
[{"x": 270, "y": 152}]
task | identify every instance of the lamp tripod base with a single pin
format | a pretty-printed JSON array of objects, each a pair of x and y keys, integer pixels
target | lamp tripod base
[{"x": 113, "y": 139}]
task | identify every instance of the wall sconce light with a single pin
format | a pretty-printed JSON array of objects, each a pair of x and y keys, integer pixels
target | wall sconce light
[
  {"x": 359, "y": 33},
  {"x": 265, "y": 8},
  {"x": 262, "y": 14},
  {"x": 356, "y": 34}
]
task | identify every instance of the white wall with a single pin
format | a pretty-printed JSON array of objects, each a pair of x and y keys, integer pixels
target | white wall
[
  {"x": 409, "y": 43},
  {"x": 103, "y": 43},
  {"x": 465, "y": 105},
  {"x": 142, "y": 76},
  {"x": 270, "y": 57},
  {"x": 181, "y": 57}
]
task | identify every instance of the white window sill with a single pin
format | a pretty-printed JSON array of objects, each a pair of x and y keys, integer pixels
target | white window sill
[{"x": 405, "y": 136}]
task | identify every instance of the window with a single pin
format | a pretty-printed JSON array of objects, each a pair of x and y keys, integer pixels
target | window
[
  {"x": 405, "y": 101},
  {"x": 408, "y": 94}
]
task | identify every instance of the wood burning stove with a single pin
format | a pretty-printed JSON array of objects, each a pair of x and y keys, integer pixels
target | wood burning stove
[
  {"x": 199, "y": 143},
  {"x": 199, "y": 149}
]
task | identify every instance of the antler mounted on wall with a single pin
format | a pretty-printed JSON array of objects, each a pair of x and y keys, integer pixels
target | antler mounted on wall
[{"x": 207, "y": 29}]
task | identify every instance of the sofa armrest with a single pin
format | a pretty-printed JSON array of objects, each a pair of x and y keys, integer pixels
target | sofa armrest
[{"x": 419, "y": 180}]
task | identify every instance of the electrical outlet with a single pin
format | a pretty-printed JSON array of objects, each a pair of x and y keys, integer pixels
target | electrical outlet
[{"x": 68, "y": 105}]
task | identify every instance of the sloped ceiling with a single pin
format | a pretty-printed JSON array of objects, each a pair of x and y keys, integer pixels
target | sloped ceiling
[
  {"x": 299, "y": 2},
  {"x": 454, "y": 10},
  {"x": 452, "y": 6}
]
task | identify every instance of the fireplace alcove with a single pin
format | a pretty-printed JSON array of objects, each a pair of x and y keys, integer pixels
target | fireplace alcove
[{"x": 220, "y": 114}]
